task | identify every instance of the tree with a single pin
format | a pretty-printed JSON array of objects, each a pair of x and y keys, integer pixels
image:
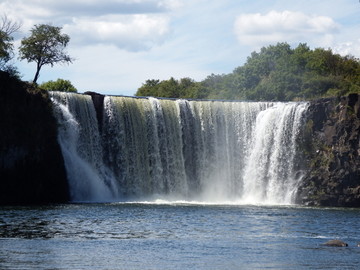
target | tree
[
  {"x": 276, "y": 72},
  {"x": 45, "y": 46},
  {"x": 149, "y": 88},
  {"x": 58, "y": 85},
  {"x": 7, "y": 28}
]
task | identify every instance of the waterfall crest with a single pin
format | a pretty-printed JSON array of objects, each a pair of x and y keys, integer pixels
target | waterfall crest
[{"x": 211, "y": 151}]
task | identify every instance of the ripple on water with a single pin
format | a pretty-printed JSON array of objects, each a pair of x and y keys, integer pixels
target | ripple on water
[{"x": 163, "y": 236}]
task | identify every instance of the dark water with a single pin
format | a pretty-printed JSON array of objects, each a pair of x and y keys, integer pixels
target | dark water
[{"x": 176, "y": 236}]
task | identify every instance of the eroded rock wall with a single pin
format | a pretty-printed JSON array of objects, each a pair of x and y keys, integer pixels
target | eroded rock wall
[
  {"x": 332, "y": 146},
  {"x": 31, "y": 165}
]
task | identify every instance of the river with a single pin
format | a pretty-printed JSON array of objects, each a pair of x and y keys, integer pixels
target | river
[{"x": 176, "y": 235}]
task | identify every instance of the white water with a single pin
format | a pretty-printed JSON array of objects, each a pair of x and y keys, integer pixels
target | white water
[
  {"x": 80, "y": 143},
  {"x": 204, "y": 151}
]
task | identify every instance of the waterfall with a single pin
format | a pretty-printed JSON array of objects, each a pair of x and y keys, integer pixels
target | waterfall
[
  {"x": 80, "y": 144},
  {"x": 211, "y": 151}
]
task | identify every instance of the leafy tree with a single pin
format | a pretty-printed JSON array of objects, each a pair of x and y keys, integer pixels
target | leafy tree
[
  {"x": 58, "y": 85},
  {"x": 276, "y": 72},
  {"x": 7, "y": 29},
  {"x": 299, "y": 58},
  {"x": 169, "y": 88},
  {"x": 183, "y": 88},
  {"x": 45, "y": 46},
  {"x": 188, "y": 88},
  {"x": 149, "y": 88}
]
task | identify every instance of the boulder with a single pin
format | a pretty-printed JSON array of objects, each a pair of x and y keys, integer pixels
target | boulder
[{"x": 335, "y": 243}]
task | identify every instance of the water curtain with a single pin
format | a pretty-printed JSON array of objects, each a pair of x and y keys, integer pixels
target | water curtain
[{"x": 210, "y": 151}]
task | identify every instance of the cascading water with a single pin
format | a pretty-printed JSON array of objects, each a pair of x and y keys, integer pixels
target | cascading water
[
  {"x": 242, "y": 152},
  {"x": 80, "y": 143}
]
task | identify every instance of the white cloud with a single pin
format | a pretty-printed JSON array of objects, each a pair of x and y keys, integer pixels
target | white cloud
[
  {"x": 130, "y": 32},
  {"x": 132, "y": 25},
  {"x": 258, "y": 30},
  {"x": 171, "y": 4}
]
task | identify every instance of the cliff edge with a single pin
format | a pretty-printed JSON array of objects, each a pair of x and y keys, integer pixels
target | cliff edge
[{"x": 31, "y": 165}]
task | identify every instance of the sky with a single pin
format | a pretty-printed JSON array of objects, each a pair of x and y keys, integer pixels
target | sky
[{"x": 119, "y": 44}]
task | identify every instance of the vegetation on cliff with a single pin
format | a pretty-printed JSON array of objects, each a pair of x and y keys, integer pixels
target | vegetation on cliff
[
  {"x": 45, "y": 46},
  {"x": 58, "y": 85},
  {"x": 277, "y": 72}
]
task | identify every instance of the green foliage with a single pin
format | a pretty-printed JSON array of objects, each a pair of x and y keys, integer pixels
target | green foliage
[
  {"x": 183, "y": 88},
  {"x": 277, "y": 72},
  {"x": 6, "y": 48},
  {"x": 58, "y": 85},
  {"x": 45, "y": 46}
]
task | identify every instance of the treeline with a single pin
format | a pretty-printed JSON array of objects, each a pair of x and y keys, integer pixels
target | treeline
[
  {"x": 183, "y": 88},
  {"x": 277, "y": 72}
]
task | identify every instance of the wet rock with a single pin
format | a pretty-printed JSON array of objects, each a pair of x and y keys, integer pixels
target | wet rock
[
  {"x": 98, "y": 100},
  {"x": 335, "y": 243},
  {"x": 331, "y": 145}
]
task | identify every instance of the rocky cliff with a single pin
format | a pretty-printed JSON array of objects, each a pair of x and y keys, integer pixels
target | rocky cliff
[
  {"x": 332, "y": 149},
  {"x": 31, "y": 165}
]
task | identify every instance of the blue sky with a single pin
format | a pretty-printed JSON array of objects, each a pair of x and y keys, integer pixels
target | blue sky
[{"x": 119, "y": 44}]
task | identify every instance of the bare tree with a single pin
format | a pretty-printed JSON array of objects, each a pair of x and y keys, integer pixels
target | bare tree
[
  {"x": 7, "y": 29},
  {"x": 7, "y": 26}
]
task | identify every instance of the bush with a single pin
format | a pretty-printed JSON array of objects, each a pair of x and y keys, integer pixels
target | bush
[{"x": 58, "y": 85}]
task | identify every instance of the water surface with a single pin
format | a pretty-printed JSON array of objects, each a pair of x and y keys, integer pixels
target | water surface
[{"x": 176, "y": 236}]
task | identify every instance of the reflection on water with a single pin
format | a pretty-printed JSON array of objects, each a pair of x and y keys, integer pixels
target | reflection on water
[{"x": 176, "y": 236}]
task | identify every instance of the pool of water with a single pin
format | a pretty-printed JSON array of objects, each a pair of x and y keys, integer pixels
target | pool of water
[{"x": 177, "y": 236}]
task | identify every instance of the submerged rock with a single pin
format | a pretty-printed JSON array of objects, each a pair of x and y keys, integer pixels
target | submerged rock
[{"x": 335, "y": 243}]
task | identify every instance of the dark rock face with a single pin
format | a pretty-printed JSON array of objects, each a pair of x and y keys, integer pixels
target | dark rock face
[
  {"x": 31, "y": 165},
  {"x": 332, "y": 146},
  {"x": 98, "y": 100}
]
